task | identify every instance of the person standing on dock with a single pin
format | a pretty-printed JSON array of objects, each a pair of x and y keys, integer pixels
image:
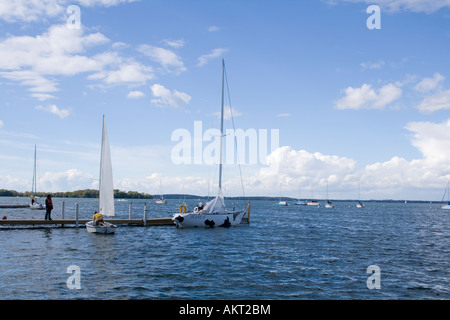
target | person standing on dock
[{"x": 49, "y": 207}]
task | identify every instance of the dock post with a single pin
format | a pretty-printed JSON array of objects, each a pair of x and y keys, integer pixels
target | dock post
[
  {"x": 248, "y": 212},
  {"x": 129, "y": 211},
  {"x": 62, "y": 211},
  {"x": 76, "y": 215},
  {"x": 145, "y": 214}
]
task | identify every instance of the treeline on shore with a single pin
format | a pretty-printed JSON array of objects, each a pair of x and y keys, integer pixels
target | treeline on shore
[{"x": 87, "y": 193}]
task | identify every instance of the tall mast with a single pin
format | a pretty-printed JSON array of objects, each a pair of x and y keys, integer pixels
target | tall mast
[
  {"x": 221, "y": 124},
  {"x": 33, "y": 187},
  {"x": 100, "y": 204}
]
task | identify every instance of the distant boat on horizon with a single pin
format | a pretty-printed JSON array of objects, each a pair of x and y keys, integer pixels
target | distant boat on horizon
[
  {"x": 329, "y": 204},
  {"x": 161, "y": 199},
  {"x": 447, "y": 191},
  {"x": 359, "y": 204}
]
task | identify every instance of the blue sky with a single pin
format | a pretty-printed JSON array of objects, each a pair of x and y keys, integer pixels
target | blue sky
[{"x": 355, "y": 107}]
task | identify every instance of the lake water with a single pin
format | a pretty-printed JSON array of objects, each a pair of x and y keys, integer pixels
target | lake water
[{"x": 285, "y": 253}]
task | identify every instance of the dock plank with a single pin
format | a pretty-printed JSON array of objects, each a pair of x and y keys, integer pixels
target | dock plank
[{"x": 81, "y": 222}]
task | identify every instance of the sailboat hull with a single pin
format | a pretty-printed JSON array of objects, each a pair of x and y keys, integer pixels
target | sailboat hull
[
  {"x": 446, "y": 207},
  {"x": 108, "y": 229},
  {"x": 193, "y": 220},
  {"x": 37, "y": 206}
]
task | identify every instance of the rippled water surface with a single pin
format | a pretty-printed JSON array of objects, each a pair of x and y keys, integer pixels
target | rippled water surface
[{"x": 294, "y": 252}]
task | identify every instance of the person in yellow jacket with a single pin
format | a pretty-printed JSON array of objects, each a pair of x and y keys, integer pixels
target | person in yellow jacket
[{"x": 98, "y": 219}]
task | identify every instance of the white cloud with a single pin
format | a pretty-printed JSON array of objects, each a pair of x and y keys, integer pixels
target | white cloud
[
  {"x": 165, "y": 57},
  {"x": 70, "y": 180},
  {"x": 372, "y": 65},
  {"x": 42, "y": 96},
  {"x": 428, "y": 84},
  {"x": 368, "y": 98},
  {"x": 167, "y": 97},
  {"x": 41, "y": 62},
  {"x": 35, "y": 10},
  {"x": 432, "y": 139},
  {"x": 53, "y": 109},
  {"x": 228, "y": 113},
  {"x": 213, "y": 28},
  {"x": 436, "y": 102},
  {"x": 135, "y": 95},
  {"x": 35, "y": 61},
  {"x": 125, "y": 73},
  {"x": 204, "y": 59},
  {"x": 426, "y": 6},
  {"x": 283, "y": 115},
  {"x": 23, "y": 10},
  {"x": 174, "y": 43}
]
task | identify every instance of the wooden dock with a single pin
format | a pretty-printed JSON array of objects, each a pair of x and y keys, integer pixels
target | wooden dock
[
  {"x": 82, "y": 222},
  {"x": 14, "y": 206}
]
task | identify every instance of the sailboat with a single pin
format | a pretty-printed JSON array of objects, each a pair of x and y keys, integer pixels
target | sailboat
[
  {"x": 281, "y": 203},
  {"x": 447, "y": 191},
  {"x": 35, "y": 204},
  {"x": 161, "y": 199},
  {"x": 329, "y": 204},
  {"x": 213, "y": 214},
  {"x": 106, "y": 190},
  {"x": 312, "y": 202},
  {"x": 359, "y": 204}
]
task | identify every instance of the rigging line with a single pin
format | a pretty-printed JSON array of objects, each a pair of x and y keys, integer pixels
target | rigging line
[{"x": 234, "y": 128}]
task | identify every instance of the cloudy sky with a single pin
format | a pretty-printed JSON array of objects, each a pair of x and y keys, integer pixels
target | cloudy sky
[{"x": 348, "y": 104}]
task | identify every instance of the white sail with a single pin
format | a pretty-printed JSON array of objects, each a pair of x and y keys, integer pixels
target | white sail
[
  {"x": 106, "y": 189},
  {"x": 217, "y": 205}
]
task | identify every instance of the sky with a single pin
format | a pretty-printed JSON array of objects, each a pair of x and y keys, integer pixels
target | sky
[{"x": 330, "y": 93}]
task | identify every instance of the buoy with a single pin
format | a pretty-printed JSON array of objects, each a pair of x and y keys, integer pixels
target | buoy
[
  {"x": 4, "y": 218},
  {"x": 182, "y": 208}
]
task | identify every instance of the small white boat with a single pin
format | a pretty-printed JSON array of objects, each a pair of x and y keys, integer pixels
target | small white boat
[
  {"x": 300, "y": 203},
  {"x": 37, "y": 206},
  {"x": 106, "y": 189},
  {"x": 447, "y": 191},
  {"x": 161, "y": 199},
  {"x": 282, "y": 203},
  {"x": 360, "y": 205},
  {"x": 108, "y": 228},
  {"x": 329, "y": 205},
  {"x": 313, "y": 203}
]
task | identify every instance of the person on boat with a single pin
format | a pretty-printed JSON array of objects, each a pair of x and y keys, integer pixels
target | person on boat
[
  {"x": 200, "y": 206},
  {"x": 32, "y": 199},
  {"x": 98, "y": 219},
  {"x": 49, "y": 207}
]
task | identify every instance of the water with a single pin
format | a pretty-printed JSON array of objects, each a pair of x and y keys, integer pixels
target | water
[{"x": 286, "y": 253}]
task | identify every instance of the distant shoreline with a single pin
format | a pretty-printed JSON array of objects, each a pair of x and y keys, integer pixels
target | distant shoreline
[
  {"x": 90, "y": 193},
  {"x": 86, "y": 193}
]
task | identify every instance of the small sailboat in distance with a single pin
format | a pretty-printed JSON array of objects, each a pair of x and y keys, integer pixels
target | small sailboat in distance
[
  {"x": 447, "y": 191},
  {"x": 359, "y": 204},
  {"x": 329, "y": 204},
  {"x": 161, "y": 199},
  {"x": 106, "y": 190}
]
